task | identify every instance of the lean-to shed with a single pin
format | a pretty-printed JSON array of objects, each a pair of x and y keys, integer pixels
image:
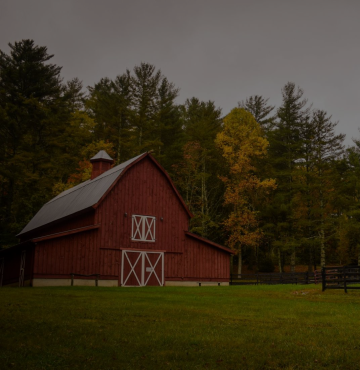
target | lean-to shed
[{"x": 126, "y": 226}]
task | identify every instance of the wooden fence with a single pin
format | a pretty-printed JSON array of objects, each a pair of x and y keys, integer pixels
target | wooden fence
[
  {"x": 275, "y": 278},
  {"x": 345, "y": 277}
]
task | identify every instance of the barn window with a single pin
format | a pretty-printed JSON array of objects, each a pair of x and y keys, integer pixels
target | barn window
[{"x": 143, "y": 228}]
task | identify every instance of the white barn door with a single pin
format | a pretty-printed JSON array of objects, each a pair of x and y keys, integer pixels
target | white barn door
[{"x": 141, "y": 268}]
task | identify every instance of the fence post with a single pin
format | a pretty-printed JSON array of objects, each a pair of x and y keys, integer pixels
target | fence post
[
  {"x": 307, "y": 277},
  {"x": 323, "y": 278},
  {"x": 344, "y": 277},
  {"x": 257, "y": 279},
  {"x": 72, "y": 279},
  {"x": 231, "y": 282},
  {"x": 96, "y": 280}
]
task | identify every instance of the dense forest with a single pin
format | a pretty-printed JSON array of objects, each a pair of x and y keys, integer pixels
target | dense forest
[{"x": 276, "y": 184}]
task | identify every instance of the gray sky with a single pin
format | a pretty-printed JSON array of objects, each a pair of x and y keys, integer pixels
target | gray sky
[{"x": 223, "y": 51}]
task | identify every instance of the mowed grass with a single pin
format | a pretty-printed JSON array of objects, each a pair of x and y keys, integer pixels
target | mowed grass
[{"x": 237, "y": 327}]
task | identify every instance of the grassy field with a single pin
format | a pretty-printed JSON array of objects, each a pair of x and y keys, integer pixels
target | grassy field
[{"x": 248, "y": 327}]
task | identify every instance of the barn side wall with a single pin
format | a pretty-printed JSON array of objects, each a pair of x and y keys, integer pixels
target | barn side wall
[
  {"x": 203, "y": 262},
  {"x": 73, "y": 254}
]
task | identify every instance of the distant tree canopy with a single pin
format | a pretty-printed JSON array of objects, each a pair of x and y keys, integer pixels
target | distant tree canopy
[{"x": 274, "y": 183}]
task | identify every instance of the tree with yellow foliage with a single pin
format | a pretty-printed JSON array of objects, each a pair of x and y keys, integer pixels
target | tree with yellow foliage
[{"x": 242, "y": 143}]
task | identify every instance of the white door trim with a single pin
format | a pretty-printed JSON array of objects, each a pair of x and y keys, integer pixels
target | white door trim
[{"x": 143, "y": 256}]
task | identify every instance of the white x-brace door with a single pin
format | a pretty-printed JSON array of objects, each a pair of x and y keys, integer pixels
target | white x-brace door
[{"x": 139, "y": 268}]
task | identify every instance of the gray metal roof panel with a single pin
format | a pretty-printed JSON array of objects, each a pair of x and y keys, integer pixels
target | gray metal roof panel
[
  {"x": 77, "y": 198},
  {"x": 101, "y": 155}
]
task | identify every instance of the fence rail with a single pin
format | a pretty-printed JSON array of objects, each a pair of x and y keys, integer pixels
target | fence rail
[
  {"x": 344, "y": 277},
  {"x": 276, "y": 278}
]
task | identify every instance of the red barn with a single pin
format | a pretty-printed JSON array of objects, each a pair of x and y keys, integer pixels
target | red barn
[{"x": 126, "y": 226}]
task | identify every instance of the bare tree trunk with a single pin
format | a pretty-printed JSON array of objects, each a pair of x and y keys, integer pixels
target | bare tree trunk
[
  {"x": 239, "y": 261},
  {"x": 321, "y": 231},
  {"x": 322, "y": 246},
  {"x": 119, "y": 146},
  {"x": 279, "y": 261},
  {"x": 203, "y": 226},
  {"x": 311, "y": 262},
  {"x": 204, "y": 200},
  {"x": 292, "y": 261}
]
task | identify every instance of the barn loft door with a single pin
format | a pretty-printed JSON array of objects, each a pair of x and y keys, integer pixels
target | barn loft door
[
  {"x": 141, "y": 268},
  {"x": 22, "y": 268}
]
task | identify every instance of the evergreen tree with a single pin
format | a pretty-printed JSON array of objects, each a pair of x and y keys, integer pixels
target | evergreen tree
[
  {"x": 168, "y": 125},
  {"x": 286, "y": 152},
  {"x": 327, "y": 147},
  {"x": 202, "y": 122},
  {"x": 259, "y": 108},
  {"x": 110, "y": 105},
  {"x": 137, "y": 112},
  {"x": 34, "y": 112},
  {"x": 145, "y": 82}
]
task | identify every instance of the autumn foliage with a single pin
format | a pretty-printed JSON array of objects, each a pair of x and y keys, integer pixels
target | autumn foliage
[{"x": 242, "y": 143}]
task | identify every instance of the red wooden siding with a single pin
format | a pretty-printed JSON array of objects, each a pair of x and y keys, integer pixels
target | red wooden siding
[
  {"x": 142, "y": 191},
  {"x": 204, "y": 262}
]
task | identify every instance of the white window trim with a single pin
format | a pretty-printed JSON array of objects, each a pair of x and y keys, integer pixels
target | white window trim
[{"x": 139, "y": 231}]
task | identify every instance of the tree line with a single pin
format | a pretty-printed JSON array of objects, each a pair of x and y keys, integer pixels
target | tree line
[{"x": 276, "y": 184}]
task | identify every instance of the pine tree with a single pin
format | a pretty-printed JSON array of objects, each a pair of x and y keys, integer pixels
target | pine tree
[
  {"x": 145, "y": 82},
  {"x": 34, "y": 113},
  {"x": 327, "y": 147},
  {"x": 168, "y": 125},
  {"x": 110, "y": 105},
  {"x": 259, "y": 108},
  {"x": 202, "y": 122},
  {"x": 286, "y": 146}
]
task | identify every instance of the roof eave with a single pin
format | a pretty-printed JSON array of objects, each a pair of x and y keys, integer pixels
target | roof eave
[
  {"x": 76, "y": 214},
  {"x": 225, "y": 249}
]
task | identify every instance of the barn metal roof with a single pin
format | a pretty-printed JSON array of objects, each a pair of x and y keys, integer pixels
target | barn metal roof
[{"x": 76, "y": 199}]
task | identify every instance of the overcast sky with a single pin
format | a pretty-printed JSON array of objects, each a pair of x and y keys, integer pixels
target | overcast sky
[{"x": 223, "y": 51}]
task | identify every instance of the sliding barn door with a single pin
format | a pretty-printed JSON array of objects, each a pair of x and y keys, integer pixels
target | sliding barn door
[
  {"x": 131, "y": 268},
  {"x": 141, "y": 268}
]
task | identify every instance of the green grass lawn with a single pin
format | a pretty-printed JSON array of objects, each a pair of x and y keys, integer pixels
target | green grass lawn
[{"x": 239, "y": 327}]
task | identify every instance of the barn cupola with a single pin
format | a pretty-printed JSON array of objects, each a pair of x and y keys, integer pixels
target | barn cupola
[{"x": 101, "y": 162}]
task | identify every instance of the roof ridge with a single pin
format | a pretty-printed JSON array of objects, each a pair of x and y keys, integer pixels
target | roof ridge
[{"x": 89, "y": 181}]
